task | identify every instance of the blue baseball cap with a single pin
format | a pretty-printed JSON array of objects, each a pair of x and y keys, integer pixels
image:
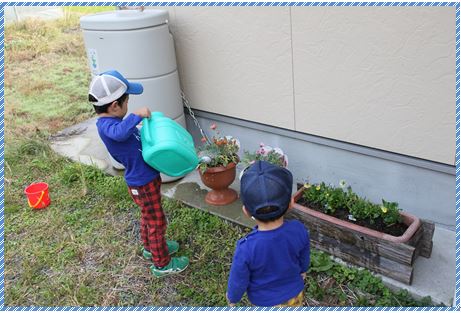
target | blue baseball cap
[
  {"x": 111, "y": 85},
  {"x": 264, "y": 184}
]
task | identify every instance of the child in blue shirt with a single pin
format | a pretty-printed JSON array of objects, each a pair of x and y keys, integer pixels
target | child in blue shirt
[
  {"x": 269, "y": 263},
  {"x": 109, "y": 93}
]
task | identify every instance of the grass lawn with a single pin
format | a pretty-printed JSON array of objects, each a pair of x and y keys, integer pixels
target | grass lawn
[{"x": 84, "y": 249}]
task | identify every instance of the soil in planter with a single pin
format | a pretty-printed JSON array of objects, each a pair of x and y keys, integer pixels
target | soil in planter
[{"x": 396, "y": 229}]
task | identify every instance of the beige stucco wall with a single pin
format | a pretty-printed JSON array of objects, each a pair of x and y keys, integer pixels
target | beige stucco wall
[{"x": 378, "y": 77}]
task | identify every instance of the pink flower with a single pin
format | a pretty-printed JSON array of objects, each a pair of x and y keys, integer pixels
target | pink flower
[
  {"x": 213, "y": 126},
  {"x": 203, "y": 139},
  {"x": 261, "y": 144}
]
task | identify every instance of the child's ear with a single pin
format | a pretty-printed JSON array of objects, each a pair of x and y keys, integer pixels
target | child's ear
[
  {"x": 292, "y": 203},
  {"x": 112, "y": 107}
]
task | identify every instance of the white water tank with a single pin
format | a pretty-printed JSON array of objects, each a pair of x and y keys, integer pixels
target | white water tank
[{"x": 139, "y": 45}]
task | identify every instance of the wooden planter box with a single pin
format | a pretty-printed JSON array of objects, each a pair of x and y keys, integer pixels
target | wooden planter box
[{"x": 379, "y": 252}]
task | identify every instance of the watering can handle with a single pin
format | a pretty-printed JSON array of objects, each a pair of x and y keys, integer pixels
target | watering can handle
[
  {"x": 146, "y": 132},
  {"x": 39, "y": 200}
]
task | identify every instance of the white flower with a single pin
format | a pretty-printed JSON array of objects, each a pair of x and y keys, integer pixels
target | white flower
[
  {"x": 205, "y": 159},
  {"x": 279, "y": 151},
  {"x": 283, "y": 156},
  {"x": 236, "y": 141},
  {"x": 342, "y": 183},
  {"x": 351, "y": 217}
]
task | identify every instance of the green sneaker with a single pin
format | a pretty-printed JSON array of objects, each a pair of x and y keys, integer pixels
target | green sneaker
[
  {"x": 176, "y": 265},
  {"x": 173, "y": 247}
]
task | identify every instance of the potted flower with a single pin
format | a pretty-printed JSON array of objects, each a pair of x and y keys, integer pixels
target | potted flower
[
  {"x": 218, "y": 159},
  {"x": 266, "y": 153},
  {"x": 379, "y": 237}
]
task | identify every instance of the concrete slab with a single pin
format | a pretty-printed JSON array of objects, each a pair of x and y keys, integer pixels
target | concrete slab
[
  {"x": 81, "y": 143},
  {"x": 191, "y": 191},
  {"x": 433, "y": 277}
]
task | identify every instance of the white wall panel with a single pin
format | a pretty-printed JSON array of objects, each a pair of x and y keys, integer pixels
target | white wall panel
[
  {"x": 381, "y": 77},
  {"x": 378, "y": 77},
  {"x": 237, "y": 61}
]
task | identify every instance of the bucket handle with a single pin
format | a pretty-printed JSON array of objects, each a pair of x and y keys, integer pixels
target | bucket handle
[
  {"x": 146, "y": 132},
  {"x": 39, "y": 200}
]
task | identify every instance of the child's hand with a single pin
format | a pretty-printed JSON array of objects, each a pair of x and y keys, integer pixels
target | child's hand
[
  {"x": 303, "y": 275},
  {"x": 142, "y": 112}
]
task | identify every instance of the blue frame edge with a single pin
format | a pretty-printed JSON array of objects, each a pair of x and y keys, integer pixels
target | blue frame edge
[{"x": 456, "y": 302}]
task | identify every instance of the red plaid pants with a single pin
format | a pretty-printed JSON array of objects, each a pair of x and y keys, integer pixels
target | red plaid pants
[{"x": 153, "y": 221}]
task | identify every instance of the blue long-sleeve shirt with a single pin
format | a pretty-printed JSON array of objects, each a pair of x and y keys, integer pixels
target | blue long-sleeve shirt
[
  {"x": 268, "y": 265},
  {"x": 123, "y": 141}
]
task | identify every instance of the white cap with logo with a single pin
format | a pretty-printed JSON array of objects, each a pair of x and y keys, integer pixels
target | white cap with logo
[{"x": 111, "y": 85}]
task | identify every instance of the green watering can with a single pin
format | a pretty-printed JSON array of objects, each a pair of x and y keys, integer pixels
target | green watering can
[{"x": 167, "y": 146}]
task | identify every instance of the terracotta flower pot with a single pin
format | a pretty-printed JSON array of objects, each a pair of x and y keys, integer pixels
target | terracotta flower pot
[{"x": 219, "y": 180}]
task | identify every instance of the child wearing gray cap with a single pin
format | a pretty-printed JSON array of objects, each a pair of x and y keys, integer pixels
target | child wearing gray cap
[{"x": 270, "y": 262}]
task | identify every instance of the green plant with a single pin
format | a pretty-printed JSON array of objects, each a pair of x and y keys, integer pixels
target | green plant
[
  {"x": 331, "y": 199},
  {"x": 389, "y": 212},
  {"x": 364, "y": 210},
  {"x": 219, "y": 151},
  {"x": 326, "y": 197},
  {"x": 266, "y": 153},
  {"x": 331, "y": 284},
  {"x": 320, "y": 262}
]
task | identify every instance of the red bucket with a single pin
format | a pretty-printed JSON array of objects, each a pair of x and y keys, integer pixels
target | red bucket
[{"x": 37, "y": 195}]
